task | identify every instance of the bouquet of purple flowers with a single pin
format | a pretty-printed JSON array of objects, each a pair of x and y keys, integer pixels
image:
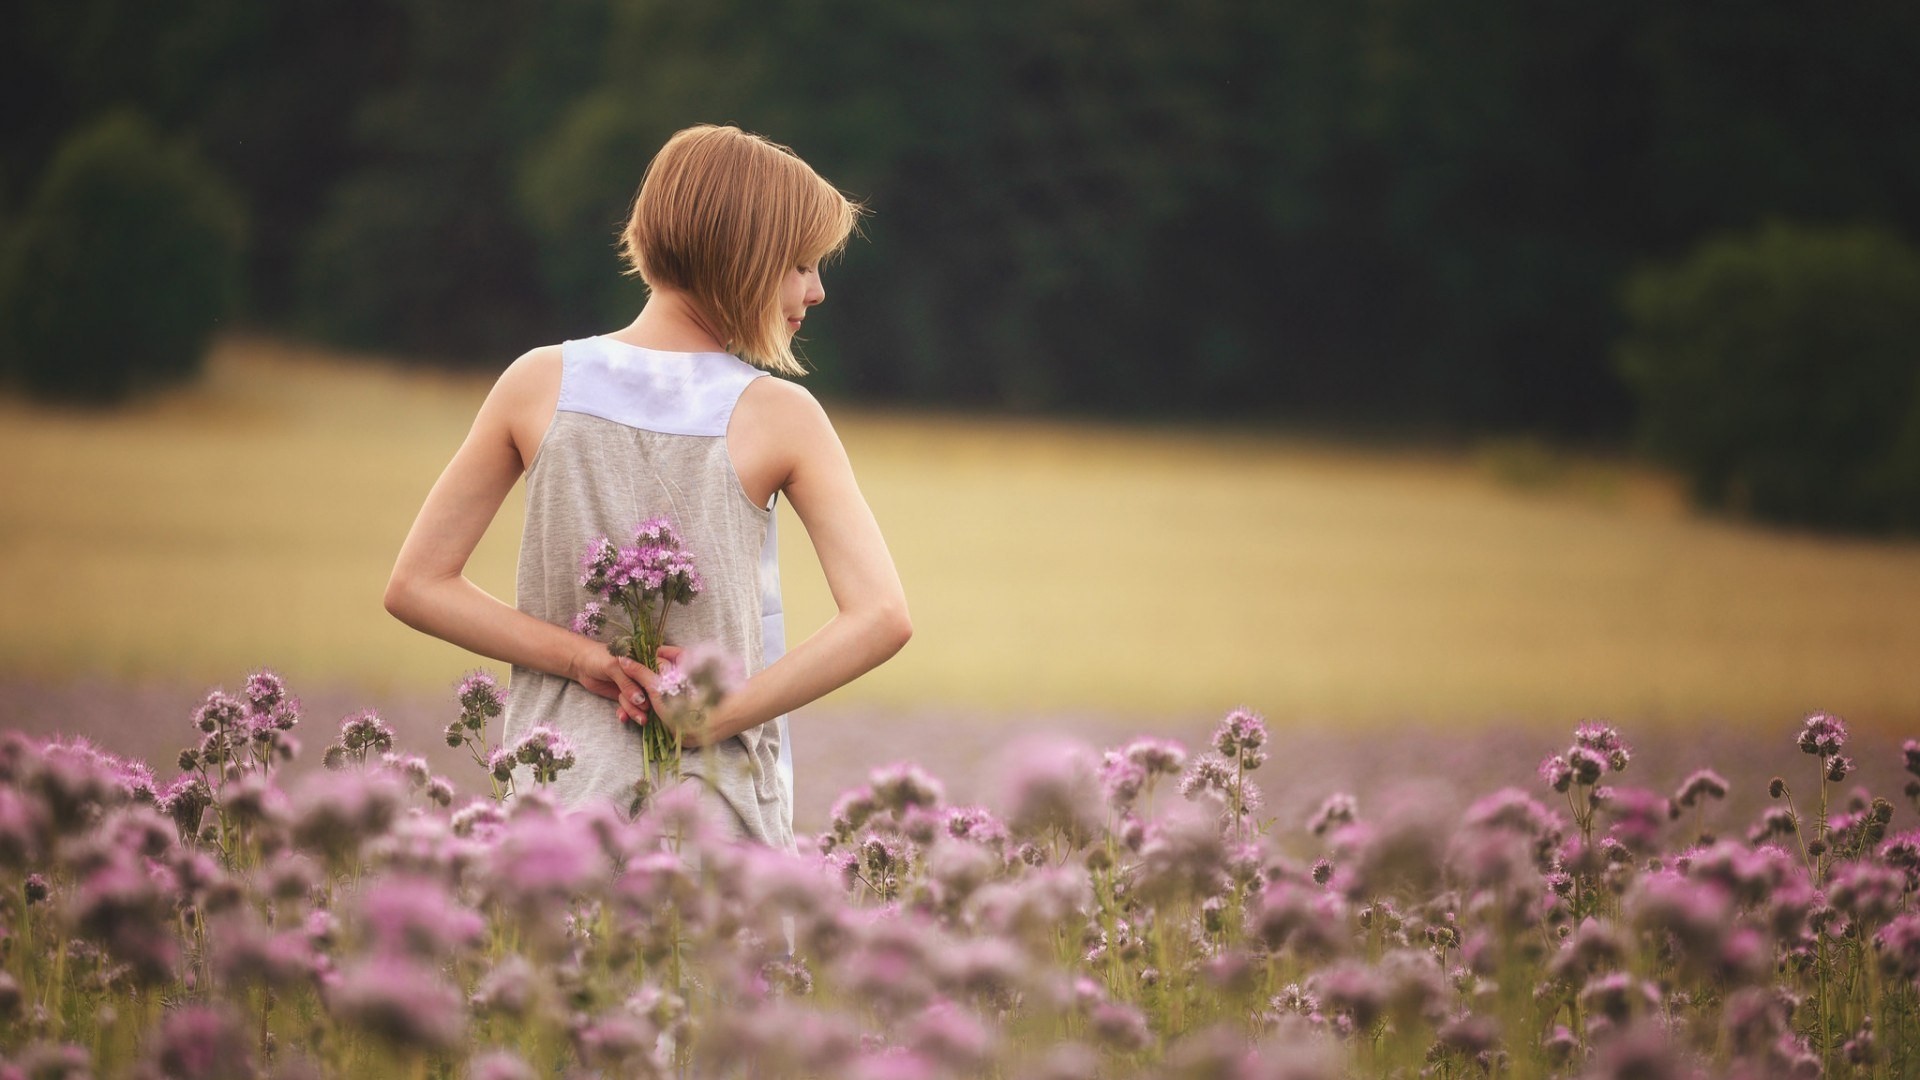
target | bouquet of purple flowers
[{"x": 638, "y": 586}]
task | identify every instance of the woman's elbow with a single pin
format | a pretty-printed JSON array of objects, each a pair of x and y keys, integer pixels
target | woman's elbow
[
  {"x": 399, "y": 599},
  {"x": 894, "y": 627}
]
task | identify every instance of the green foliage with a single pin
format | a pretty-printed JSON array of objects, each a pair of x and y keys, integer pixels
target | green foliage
[
  {"x": 122, "y": 266},
  {"x": 1781, "y": 370},
  {"x": 1383, "y": 212},
  {"x": 421, "y": 248}
]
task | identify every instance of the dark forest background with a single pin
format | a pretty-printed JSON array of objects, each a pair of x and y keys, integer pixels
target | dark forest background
[{"x": 1382, "y": 212}]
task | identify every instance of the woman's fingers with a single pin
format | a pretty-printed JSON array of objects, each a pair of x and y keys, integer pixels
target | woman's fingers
[
  {"x": 636, "y": 682},
  {"x": 632, "y": 700}
]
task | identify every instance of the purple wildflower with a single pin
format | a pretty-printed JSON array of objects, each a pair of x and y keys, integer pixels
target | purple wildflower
[
  {"x": 334, "y": 813},
  {"x": 1867, "y": 892},
  {"x": 1242, "y": 737},
  {"x": 1121, "y": 779},
  {"x": 221, "y": 711},
  {"x": 1209, "y": 774},
  {"x": 1838, "y": 767},
  {"x": 1697, "y": 914},
  {"x": 500, "y": 1065},
  {"x": 1619, "y": 996},
  {"x": 1159, "y": 757},
  {"x": 1602, "y": 739},
  {"x": 546, "y": 750},
  {"x": 1339, "y": 808},
  {"x": 952, "y": 1036},
  {"x": 1120, "y": 1026},
  {"x": 1050, "y": 785},
  {"x": 264, "y": 690},
  {"x": 1353, "y": 989},
  {"x": 122, "y": 906},
  {"x": 412, "y": 914},
  {"x": 399, "y": 1001},
  {"x": 1638, "y": 815},
  {"x": 852, "y": 810},
  {"x": 510, "y": 989},
  {"x": 1902, "y": 852},
  {"x": 1824, "y": 735},
  {"x": 596, "y": 562},
  {"x": 656, "y": 531},
  {"x": 481, "y": 698},
  {"x": 976, "y": 824},
  {"x": 1183, "y": 855},
  {"x": 361, "y": 734},
  {"x": 410, "y": 767},
  {"x": 903, "y": 784},
  {"x": 1309, "y": 921},
  {"x": 204, "y": 1042},
  {"x": 538, "y": 858},
  {"x": 1911, "y": 750},
  {"x": 1702, "y": 784},
  {"x": 696, "y": 682},
  {"x": 1587, "y": 764},
  {"x": 591, "y": 620},
  {"x": 1755, "y": 1018},
  {"x": 1898, "y": 945},
  {"x": 250, "y": 954},
  {"x": 1557, "y": 772}
]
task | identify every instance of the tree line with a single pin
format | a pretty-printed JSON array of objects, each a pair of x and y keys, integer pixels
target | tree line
[{"x": 1381, "y": 211}]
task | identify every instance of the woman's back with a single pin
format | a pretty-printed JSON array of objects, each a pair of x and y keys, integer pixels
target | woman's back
[
  {"x": 637, "y": 433},
  {"x": 728, "y": 232}
]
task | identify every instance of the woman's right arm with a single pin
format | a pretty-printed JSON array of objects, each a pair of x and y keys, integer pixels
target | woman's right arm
[
  {"x": 807, "y": 461},
  {"x": 429, "y": 590}
]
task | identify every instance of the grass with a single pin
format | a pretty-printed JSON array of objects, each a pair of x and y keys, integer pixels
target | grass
[{"x": 1050, "y": 566}]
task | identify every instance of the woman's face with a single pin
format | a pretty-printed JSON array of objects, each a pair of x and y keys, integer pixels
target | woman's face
[{"x": 800, "y": 290}]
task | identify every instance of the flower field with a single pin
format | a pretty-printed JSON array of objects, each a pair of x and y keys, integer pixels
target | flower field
[{"x": 1141, "y": 911}]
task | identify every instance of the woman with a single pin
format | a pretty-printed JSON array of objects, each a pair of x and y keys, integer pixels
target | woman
[{"x": 666, "y": 417}]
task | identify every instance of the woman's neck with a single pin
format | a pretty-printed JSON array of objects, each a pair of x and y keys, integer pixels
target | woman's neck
[{"x": 670, "y": 323}]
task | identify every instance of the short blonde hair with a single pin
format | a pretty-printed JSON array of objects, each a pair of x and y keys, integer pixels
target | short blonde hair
[{"x": 722, "y": 215}]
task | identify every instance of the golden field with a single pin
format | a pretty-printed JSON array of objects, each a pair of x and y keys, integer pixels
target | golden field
[{"x": 1051, "y": 566}]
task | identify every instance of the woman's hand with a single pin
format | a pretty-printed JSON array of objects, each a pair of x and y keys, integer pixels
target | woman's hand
[
  {"x": 638, "y": 685},
  {"x": 605, "y": 674}
]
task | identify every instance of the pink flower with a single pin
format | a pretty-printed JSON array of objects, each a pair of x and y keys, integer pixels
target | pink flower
[
  {"x": 399, "y": 1001},
  {"x": 203, "y": 1042},
  {"x": 412, "y": 914},
  {"x": 1159, "y": 757},
  {"x": 1823, "y": 735},
  {"x": 1050, "y": 785},
  {"x": 1702, "y": 784},
  {"x": 902, "y": 785},
  {"x": 1339, "y": 808},
  {"x": 1120, "y": 1026},
  {"x": 1242, "y": 738}
]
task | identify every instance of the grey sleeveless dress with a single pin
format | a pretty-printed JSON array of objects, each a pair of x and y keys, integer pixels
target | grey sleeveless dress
[{"x": 639, "y": 433}]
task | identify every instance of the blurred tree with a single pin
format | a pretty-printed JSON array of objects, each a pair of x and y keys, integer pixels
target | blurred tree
[
  {"x": 1382, "y": 211},
  {"x": 1781, "y": 370},
  {"x": 421, "y": 249},
  {"x": 125, "y": 261},
  {"x": 266, "y": 92}
]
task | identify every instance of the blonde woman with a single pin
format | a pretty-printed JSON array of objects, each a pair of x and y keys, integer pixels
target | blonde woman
[{"x": 673, "y": 415}]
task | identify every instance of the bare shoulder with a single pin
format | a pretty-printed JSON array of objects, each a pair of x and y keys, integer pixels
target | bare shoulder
[
  {"x": 779, "y": 433},
  {"x": 777, "y": 407},
  {"x": 535, "y": 371},
  {"x": 523, "y": 399}
]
